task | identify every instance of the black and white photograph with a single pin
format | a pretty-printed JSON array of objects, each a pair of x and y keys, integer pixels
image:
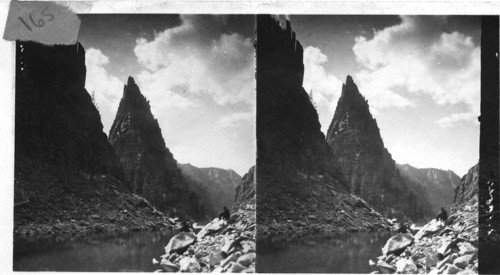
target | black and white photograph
[
  {"x": 250, "y": 137},
  {"x": 368, "y": 143},
  {"x": 134, "y": 147}
]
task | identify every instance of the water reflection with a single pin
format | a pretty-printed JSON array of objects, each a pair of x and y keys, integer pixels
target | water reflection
[
  {"x": 106, "y": 252},
  {"x": 320, "y": 253}
]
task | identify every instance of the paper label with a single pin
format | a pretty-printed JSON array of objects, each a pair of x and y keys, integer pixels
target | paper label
[{"x": 44, "y": 22}]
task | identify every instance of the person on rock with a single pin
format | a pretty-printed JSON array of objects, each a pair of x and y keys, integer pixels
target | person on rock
[
  {"x": 403, "y": 228},
  {"x": 443, "y": 216},
  {"x": 225, "y": 214},
  {"x": 186, "y": 227}
]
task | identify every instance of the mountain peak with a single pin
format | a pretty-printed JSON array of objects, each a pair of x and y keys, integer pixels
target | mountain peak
[
  {"x": 130, "y": 81},
  {"x": 349, "y": 82}
]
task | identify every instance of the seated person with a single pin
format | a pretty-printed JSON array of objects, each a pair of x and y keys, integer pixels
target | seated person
[{"x": 225, "y": 214}]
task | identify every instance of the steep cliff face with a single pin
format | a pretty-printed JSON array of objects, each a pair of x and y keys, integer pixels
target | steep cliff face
[
  {"x": 56, "y": 121},
  {"x": 468, "y": 188},
  {"x": 288, "y": 130},
  {"x": 149, "y": 166},
  {"x": 68, "y": 178},
  {"x": 439, "y": 185},
  {"x": 298, "y": 179},
  {"x": 219, "y": 183},
  {"x": 245, "y": 190},
  {"x": 367, "y": 166}
]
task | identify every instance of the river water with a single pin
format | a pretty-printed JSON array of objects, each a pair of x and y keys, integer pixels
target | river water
[
  {"x": 105, "y": 252},
  {"x": 320, "y": 253}
]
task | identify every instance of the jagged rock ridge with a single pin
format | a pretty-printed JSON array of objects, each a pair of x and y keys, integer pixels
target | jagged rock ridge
[
  {"x": 219, "y": 183},
  {"x": 468, "y": 189},
  {"x": 439, "y": 185},
  {"x": 149, "y": 166},
  {"x": 366, "y": 164},
  {"x": 297, "y": 176}
]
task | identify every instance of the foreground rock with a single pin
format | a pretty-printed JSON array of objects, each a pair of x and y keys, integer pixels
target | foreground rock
[
  {"x": 221, "y": 246},
  {"x": 438, "y": 248}
]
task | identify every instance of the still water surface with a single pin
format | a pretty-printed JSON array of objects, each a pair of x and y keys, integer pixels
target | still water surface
[
  {"x": 107, "y": 252},
  {"x": 332, "y": 253}
]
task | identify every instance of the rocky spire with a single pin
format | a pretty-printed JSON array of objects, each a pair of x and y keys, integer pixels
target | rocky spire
[
  {"x": 366, "y": 164},
  {"x": 353, "y": 114},
  {"x": 149, "y": 165}
]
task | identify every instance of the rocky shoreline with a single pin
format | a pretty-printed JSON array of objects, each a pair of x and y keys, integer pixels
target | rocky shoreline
[
  {"x": 337, "y": 212},
  {"x": 90, "y": 206},
  {"x": 437, "y": 248},
  {"x": 220, "y": 246}
]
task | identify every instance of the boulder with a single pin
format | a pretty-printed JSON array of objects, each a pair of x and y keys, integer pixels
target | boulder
[
  {"x": 231, "y": 258},
  {"x": 463, "y": 261},
  {"x": 214, "y": 258},
  {"x": 467, "y": 272},
  {"x": 235, "y": 268},
  {"x": 452, "y": 269},
  {"x": 397, "y": 243},
  {"x": 385, "y": 268},
  {"x": 248, "y": 246},
  {"x": 212, "y": 227},
  {"x": 189, "y": 265},
  {"x": 430, "y": 228},
  {"x": 447, "y": 260},
  {"x": 168, "y": 266},
  {"x": 406, "y": 266},
  {"x": 431, "y": 259},
  {"x": 180, "y": 242},
  {"x": 466, "y": 248},
  {"x": 246, "y": 260}
]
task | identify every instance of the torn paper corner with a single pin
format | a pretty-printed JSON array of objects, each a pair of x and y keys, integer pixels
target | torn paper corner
[{"x": 44, "y": 22}]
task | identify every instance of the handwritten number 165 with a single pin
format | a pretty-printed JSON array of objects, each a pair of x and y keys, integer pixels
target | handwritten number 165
[{"x": 41, "y": 23}]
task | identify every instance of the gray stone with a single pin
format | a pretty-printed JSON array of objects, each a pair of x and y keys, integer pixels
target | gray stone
[
  {"x": 180, "y": 242},
  {"x": 463, "y": 261},
  {"x": 431, "y": 259},
  {"x": 397, "y": 243},
  {"x": 168, "y": 266},
  {"x": 214, "y": 258},
  {"x": 189, "y": 265},
  {"x": 452, "y": 269},
  {"x": 248, "y": 246},
  {"x": 212, "y": 227},
  {"x": 246, "y": 260},
  {"x": 230, "y": 258},
  {"x": 235, "y": 268},
  {"x": 385, "y": 268},
  {"x": 406, "y": 266}
]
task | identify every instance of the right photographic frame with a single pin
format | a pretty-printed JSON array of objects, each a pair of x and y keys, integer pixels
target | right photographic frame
[{"x": 377, "y": 144}]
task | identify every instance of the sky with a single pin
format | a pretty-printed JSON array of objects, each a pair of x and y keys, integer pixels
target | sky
[
  {"x": 197, "y": 71},
  {"x": 420, "y": 75}
]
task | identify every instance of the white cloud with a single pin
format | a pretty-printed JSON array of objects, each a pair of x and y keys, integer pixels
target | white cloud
[
  {"x": 106, "y": 88},
  {"x": 416, "y": 57},
  {"x": 325, "y": 87},
  {"x": 192, "y": 58},
  {"x": 237, "y": 118},
  {"x": 457, "y": 119}
]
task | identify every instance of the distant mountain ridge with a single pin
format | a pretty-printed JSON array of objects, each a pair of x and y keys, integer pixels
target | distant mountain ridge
[
  {"x": 439, "y": 184},
  {"x": 219, "y": 183},
  {"x": 367, "y": 166}
]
